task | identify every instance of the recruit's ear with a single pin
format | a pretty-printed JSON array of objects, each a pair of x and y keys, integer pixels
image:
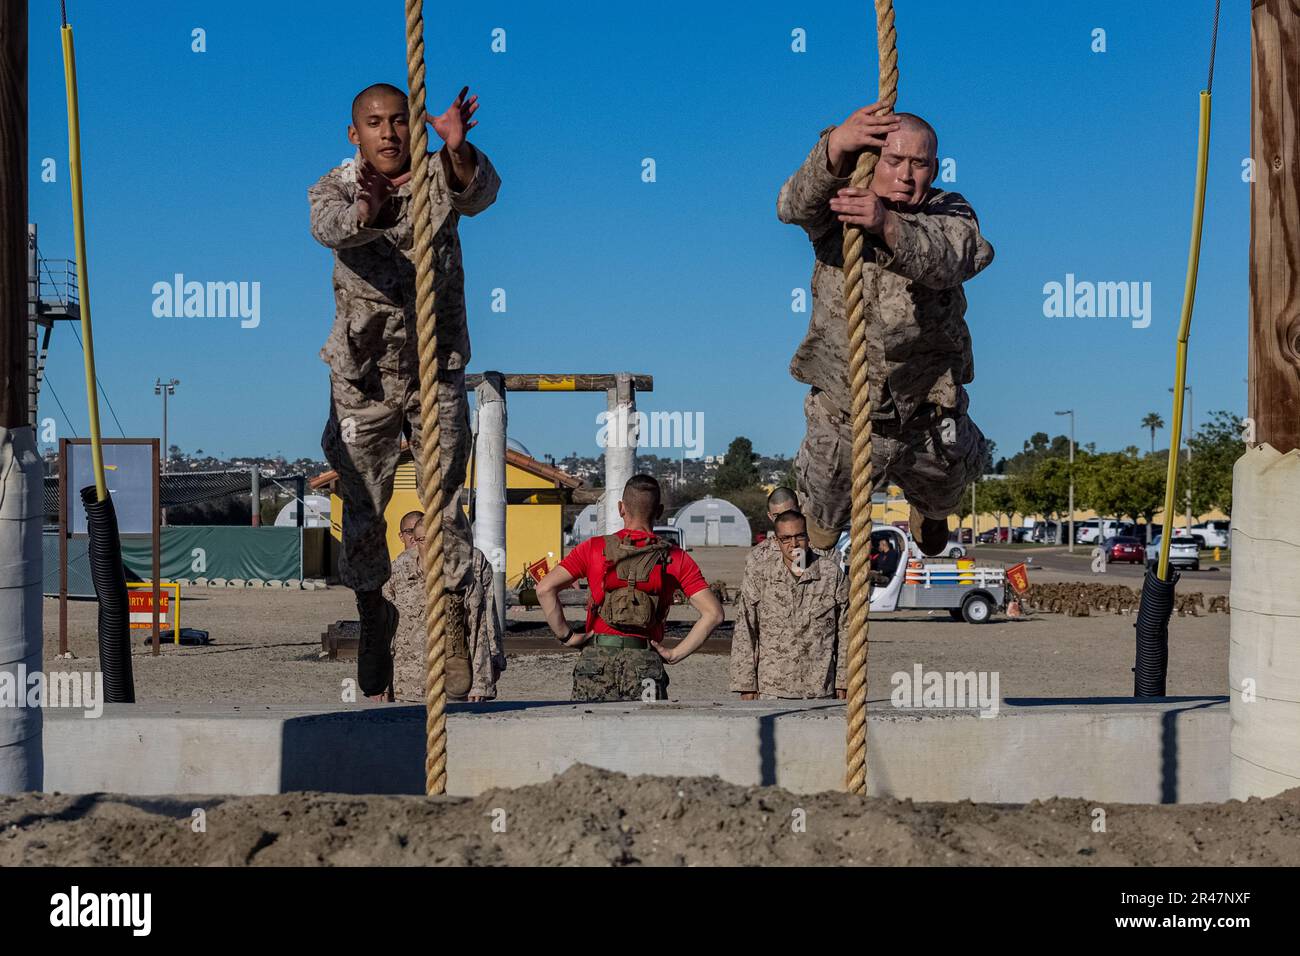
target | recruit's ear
[{"x": 353, "y": 138}]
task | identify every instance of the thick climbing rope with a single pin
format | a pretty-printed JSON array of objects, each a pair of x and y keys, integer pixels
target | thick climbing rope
[
  {"x": 435, "y": 599},
  {"x": 855, "y": 777}
]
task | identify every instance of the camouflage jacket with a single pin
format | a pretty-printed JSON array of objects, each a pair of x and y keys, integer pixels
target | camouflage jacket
[
  {"x": 917, "y": 337},
  {"x": 790, "y": 638},
  {"x": 405, "y": 588},
  {"x": 374, "y": 271}
]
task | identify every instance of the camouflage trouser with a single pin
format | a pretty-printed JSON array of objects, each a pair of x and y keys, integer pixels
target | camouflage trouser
[
  {"x": 617, "y": 673},
  {"x": 932, "y": 459},
  {"x": 361, "y": 442}
]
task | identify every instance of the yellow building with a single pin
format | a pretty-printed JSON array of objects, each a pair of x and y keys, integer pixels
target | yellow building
[{"x": 535, "y": 497}]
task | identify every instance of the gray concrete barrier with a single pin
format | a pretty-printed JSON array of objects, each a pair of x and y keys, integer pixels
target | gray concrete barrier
[{"x": 1113, "y": 750}]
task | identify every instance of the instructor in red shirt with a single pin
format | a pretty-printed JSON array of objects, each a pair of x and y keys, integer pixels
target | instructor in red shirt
[{"x": 632, "y": 576}]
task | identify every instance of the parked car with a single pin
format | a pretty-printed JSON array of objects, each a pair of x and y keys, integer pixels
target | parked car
[
  {"x": 1211, "y": 534},
  {"x": 1124, "y": 548},
  {"x": 1184, "y": 552},
  {"x": 994, "y": 535}
]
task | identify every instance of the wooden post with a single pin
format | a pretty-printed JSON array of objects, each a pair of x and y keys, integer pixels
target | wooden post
[
  {"x": 13, "y": 215},
  {"x": 1264, "y": 650},
  {"x": 1274, "y": 389}
]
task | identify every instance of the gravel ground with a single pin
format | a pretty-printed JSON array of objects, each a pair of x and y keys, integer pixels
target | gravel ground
[{"x": 266, "y": 648}]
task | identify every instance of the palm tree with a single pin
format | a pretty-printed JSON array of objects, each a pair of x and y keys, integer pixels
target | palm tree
[{"x": 1153, "y": 421}]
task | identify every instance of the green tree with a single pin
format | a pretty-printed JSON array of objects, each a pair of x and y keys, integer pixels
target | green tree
[
  {"x": 1216, "y": 446},
  {"x": 998, "y": 498},
  {"x": 737, "y": 470},
  {"x": 1153, "y": 421}
]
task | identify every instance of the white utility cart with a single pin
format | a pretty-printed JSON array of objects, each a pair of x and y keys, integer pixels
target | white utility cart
[{"x": 969, "y": 594}]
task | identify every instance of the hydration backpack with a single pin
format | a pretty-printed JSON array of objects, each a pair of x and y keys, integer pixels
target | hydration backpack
[{"x": 626, "y": 607}]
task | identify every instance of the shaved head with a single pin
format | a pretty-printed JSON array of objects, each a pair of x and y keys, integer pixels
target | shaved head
[
  {"x": 781, "y": 499},
  {"x": 788, "y": 519},
  {"x": 914, "y": 123},
  {"x": 377, "y": 91},
  {"x": 641, "y": 498}
]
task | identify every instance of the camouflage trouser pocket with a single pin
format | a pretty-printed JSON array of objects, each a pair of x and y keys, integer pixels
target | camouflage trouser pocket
[{"x": 590, "y": 677}]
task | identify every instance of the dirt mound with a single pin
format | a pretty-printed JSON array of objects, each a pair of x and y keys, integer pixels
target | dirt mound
[{"x": 594, "y": 817}]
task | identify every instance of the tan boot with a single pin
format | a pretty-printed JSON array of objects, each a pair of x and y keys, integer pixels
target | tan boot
[
  {"x": 930, "y": 534},
  {"x": 819, "y": 537}
]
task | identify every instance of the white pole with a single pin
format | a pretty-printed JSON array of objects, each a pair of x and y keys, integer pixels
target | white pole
[
  {"x": 490, "y": 483},
  {"x": 620, "y": 449}
]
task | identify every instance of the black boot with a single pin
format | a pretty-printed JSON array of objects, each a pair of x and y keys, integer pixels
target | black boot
[{"x": 375, "y": 644}]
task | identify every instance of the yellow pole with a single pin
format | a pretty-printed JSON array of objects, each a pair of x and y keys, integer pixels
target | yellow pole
[
  {"x": 83, "y": 280},
  {"x": 1184, "y": 333}
]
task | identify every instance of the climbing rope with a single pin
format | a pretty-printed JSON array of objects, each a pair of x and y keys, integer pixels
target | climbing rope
[
  {"x": 435, "y": 599},
  {"x": 855, "y": 778}
]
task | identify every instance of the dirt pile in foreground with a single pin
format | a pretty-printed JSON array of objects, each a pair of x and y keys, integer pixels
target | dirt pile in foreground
[{"x": 595, "y": 817}]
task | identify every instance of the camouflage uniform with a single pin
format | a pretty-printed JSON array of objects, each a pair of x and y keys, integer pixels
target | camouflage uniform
[
  {"x": 618, "y": 673},
  {"x": 474, "y": 658},
  {"x": 374, "y": 368},
  {"x": 918, "y": 350},
  {"x": 790, "y": 639}
]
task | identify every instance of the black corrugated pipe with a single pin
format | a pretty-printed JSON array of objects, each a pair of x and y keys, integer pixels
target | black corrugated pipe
[
  {"x": 1152, "y": 626},
  {"x": 107, "y": 572}
]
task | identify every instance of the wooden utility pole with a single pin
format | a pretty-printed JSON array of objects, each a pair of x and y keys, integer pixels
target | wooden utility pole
[
  {"x": 1264, "y": 650},
  {"x": 13, "y": 214},
  {"x": 1274, "y": 390},
  {"x": 21, "y": 505}
]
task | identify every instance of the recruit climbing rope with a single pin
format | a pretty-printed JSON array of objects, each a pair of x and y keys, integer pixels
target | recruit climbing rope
[
  {"x": 435, "y": 599},
  {"x": 855, "y": 778}
]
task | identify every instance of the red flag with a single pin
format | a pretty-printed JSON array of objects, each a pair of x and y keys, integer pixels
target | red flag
[
  {"x": 537, "y": 570},
  {"x": 1018, "y": 576}
]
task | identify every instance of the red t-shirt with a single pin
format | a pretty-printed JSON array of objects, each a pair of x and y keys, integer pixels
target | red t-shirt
[{"x": 587, "y": 560}]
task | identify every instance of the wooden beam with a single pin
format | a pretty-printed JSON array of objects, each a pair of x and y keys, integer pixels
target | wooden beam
[
  {"x": 13, "y": 214},
  {"x": 574, "y": 382},
  {"x": 1274, "y": 376}
]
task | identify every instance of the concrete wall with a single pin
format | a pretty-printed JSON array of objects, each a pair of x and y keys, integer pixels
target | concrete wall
[{"x": 1116, "y": 751}]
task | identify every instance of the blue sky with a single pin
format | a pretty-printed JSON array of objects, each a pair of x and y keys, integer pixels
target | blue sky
[{"x": 1077, "y": 163}]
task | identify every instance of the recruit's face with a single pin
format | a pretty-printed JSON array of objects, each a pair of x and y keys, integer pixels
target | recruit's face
[
  {"x": 381, "y": 129},
  {"x": 907, "y": 167},
  {"x": 792, "y": 536}
]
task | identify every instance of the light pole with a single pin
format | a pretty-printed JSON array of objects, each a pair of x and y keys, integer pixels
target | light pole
[
  {"x": 1186, "y": 437},
  {"x": 164, "y": 389},
  {"x": 1070, "y": 412}
]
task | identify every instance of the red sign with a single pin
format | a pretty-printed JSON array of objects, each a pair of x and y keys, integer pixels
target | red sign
[
  {"x": 1018, "y": 576},
  {"x": 141, "y": 607}
]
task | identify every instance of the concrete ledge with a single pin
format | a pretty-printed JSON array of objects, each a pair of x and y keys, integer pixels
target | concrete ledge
[{"x": 1110, "y": 749}]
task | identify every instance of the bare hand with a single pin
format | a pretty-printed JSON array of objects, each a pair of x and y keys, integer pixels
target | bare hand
[
  {"x": 665, "y": 653},
  {"x": 473, "y": 699},
  {"x": 749, "y": 695},
  {"x": 866, "y": 128},
  {"x": 373, "y": 190},
  {"x": 859, "y": 207},
  {"x": 455, "y": 123},
  {"x": 841, "y": 695}
]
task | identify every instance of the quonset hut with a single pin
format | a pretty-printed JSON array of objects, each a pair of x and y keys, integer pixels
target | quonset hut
[{"x": 712, "y": 521}]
